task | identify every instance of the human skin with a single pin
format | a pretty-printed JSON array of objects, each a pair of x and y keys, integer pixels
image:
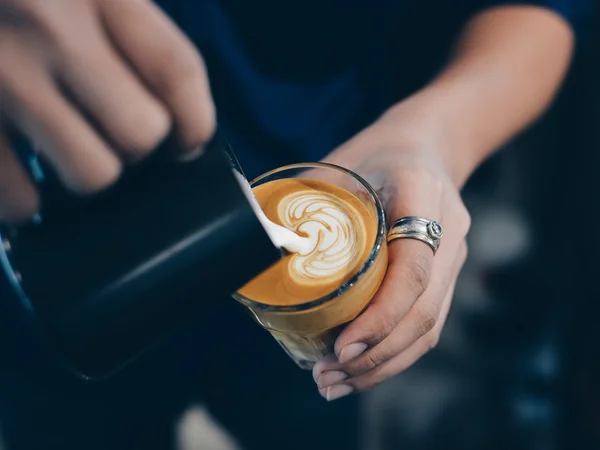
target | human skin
[
  {"x": 508, "y": 64},
  {"x": 126, "y": 66},
  {"x": 94, "y": 84}
]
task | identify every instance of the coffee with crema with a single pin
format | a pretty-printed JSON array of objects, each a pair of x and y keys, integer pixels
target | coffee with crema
[
  {"x": 307, "y": 298},
  {"x": 339, "y": 227}
]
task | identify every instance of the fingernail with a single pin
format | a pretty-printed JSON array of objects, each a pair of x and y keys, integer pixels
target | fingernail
[
  {"x": 349, "y": 352},
  {"x": 191, "y": 155},
  {"x": 326, "y": 379},
  {"x": 321, "y": 366},
  {"x": 338, "y": 391}
]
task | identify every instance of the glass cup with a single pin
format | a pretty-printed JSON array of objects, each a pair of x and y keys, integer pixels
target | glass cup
[{"x": 308, "y": 331}]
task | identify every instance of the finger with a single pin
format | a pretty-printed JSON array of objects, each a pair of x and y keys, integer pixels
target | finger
[
  {"x": 411, "y": 328},
  {"x": 94, "y": 73},
  {"x": 408, "y": 357},
  {"x": 407, "y": 278},
  {"x": 414, "y": 193},
  {"x": 168, "y": 63},
  {"x": 319, "y": 367},
  {"x": 423, "y": 317},
  {"x": 18, "y": 197},
  {"x": 35, "y": 105},
  {"x": 396, "y": 365}
]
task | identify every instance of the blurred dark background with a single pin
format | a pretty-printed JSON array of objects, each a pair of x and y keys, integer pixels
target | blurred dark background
[{"x": 518, "y": 365}]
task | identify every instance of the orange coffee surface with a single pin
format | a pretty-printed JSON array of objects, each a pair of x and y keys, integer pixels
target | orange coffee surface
[{"x": 341, "y": 226}]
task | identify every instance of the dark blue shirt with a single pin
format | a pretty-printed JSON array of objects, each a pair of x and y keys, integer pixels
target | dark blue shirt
[{"x": 291, "y": 81}]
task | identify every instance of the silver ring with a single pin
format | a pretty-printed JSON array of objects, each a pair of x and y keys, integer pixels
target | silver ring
[{"x": 428, "y": 231}]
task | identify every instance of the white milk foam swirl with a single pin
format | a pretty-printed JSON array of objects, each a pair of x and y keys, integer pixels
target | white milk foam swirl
[
  {"x": 331, "y": 227},
  {"x": 333, "y": 241}
]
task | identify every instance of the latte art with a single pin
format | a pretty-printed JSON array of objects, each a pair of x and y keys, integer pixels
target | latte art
[
  {"x": 335, "y": 233},
  {"x": 334, "y": 228},
  {"x": 307, "y": 297}
]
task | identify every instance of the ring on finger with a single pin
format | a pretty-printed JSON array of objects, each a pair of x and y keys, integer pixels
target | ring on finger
[{"x": 412, "y": 227}]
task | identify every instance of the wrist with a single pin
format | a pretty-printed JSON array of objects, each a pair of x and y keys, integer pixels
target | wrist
[{"x": 421, "y": 121}]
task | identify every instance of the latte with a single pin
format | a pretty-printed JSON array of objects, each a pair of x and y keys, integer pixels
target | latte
[
  {"x": 338, "y": 231},
  {"x": 335, "y": 235}
]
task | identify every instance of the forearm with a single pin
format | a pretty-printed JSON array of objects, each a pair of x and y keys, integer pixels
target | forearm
[{"x": 508, "y": 65}]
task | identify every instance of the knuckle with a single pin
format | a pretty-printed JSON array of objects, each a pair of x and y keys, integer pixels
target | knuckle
[
  {"x": 431, "y": 340},
  {"x": 147, "y": 131},
  {"x": 366, "y": 363},
  {"x": 45, "y": 26},
  {"x": 372, "y": 360},
  {"x": 188, "y": 65},
  {"x": 177, "y": 68},
  {"x": 378, "y": 321},
  {"x": 416, "y": 275},
  {"x": 385, "y": 328},
  {"x": 43, "y": 15},
  {"x": 426, "y": 319}
]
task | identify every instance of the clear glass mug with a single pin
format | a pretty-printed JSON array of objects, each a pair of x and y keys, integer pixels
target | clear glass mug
[{"x": 307, "y": 332}]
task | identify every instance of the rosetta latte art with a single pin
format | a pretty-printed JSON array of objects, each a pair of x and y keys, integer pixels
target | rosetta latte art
[{"x": 334, "y": 228}]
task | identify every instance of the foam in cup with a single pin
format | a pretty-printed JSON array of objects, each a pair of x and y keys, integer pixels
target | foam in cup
[
  {"x": 331, "y": 226},
  {"x": 334, "y": 233},
  {"x": 339, "y": 230}
]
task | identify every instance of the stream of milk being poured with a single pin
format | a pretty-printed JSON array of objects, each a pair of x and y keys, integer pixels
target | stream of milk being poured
[{"x": 280, "y": 236}]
